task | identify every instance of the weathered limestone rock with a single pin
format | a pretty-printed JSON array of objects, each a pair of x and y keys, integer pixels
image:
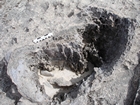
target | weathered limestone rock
[{"x": 92, "y": 58}]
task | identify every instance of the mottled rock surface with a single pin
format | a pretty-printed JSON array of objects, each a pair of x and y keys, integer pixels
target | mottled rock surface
[{"x": 92, "y": 59}]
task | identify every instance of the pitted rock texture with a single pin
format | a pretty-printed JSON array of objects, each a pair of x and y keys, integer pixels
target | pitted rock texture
[
  {"x": 70, "y": 55},
  {"x": 92, "y": 59},
  {"x": 61, "y": 56},
  {"x": 51, "y": 68}
]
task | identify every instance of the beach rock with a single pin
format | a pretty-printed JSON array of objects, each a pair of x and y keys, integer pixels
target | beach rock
[{"x": 91, "y": 59}]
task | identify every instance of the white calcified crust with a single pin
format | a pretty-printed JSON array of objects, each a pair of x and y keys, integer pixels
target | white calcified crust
[{"x": 43, "y": 38}]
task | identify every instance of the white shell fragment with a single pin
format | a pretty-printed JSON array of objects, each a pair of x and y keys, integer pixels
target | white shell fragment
[
  {"x": 46, "y": 73},
  {"x": 43, "y": 37}
]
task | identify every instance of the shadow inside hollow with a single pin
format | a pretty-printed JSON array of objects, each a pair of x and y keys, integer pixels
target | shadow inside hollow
[
  {"x": 109, "y": 34},
  {"x": 7, "y": 85},
  {"x": 133, "y": 93}
]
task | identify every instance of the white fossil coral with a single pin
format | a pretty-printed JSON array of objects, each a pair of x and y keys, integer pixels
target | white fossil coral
[{"x": 43, "y": 37}]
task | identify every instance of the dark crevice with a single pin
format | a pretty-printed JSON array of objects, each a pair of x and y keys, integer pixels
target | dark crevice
[
  {"x": 66, "y": 91},
  {"x": 133, "y": 94},
  {"x": 7, "y": 85}
]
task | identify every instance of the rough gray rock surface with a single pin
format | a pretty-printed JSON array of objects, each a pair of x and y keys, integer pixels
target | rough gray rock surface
[{"x": 92, "y": 59}]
